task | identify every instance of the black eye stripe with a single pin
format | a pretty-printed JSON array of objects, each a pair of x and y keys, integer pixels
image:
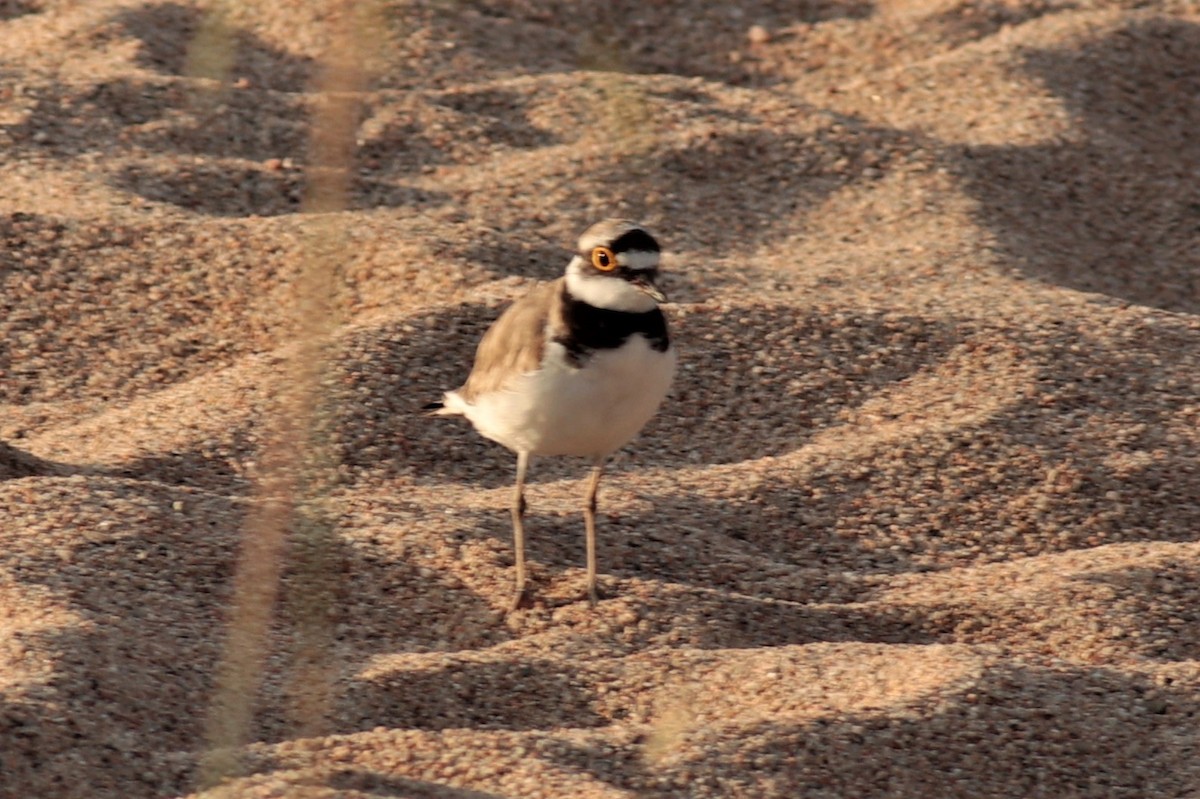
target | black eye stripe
[{"x": 636, "y": 239}]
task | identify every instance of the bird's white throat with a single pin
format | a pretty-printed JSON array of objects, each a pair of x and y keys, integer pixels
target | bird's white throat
[{"x": 609, "y": 292}]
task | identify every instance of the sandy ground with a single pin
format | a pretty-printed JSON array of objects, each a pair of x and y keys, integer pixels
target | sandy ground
[{"x": 920, "y": 518}]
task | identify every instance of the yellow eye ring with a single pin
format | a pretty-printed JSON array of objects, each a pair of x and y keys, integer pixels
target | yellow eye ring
[{"x": 603, "y": 259}]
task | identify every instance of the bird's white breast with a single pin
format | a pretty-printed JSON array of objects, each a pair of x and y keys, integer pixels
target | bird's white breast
[{"x": 589, "y": 411}]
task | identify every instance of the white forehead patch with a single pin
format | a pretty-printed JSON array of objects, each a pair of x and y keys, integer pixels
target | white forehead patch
[{"x": 638, "y": 259}]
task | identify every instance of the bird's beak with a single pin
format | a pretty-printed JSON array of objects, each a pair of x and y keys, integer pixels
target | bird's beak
[{"x": 646, "y": 286}]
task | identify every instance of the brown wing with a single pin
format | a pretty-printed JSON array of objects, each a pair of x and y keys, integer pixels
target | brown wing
[{"x": 515, "y": 343}]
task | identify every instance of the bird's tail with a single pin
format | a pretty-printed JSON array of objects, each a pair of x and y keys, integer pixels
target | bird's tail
[{"x": 451, "y": 405}]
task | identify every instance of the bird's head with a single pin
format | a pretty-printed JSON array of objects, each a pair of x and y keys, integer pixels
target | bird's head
[{"x": 615, "y": 267}]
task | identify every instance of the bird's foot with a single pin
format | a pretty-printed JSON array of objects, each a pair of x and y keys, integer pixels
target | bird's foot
[
  {"x": 595, "y": 594},
  {"x": 522, "y": 598}
]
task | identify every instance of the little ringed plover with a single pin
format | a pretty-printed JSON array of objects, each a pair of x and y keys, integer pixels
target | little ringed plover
[{"x": 575, "y": 367}]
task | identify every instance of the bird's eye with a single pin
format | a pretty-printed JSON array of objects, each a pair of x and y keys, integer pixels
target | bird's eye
[{"x": 603, "y": 259}]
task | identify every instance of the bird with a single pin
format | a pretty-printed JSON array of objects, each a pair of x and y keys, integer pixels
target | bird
[{"x": 575, "y": 367}]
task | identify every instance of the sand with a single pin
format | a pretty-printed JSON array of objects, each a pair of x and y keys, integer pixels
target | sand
[{"x": 920, "y": 517}]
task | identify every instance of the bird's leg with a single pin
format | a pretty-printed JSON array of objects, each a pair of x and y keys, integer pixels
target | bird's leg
[
  {"x": 589, "y": 520},
  {"x": 518, "y": 519}
]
